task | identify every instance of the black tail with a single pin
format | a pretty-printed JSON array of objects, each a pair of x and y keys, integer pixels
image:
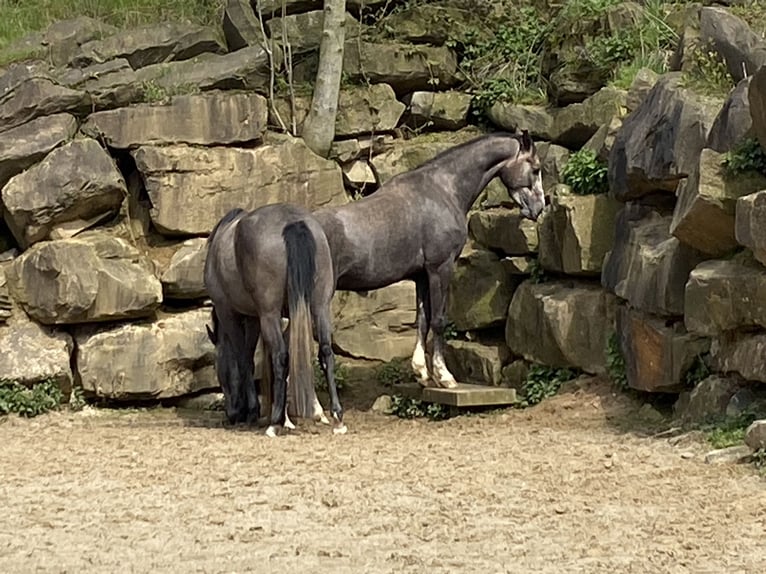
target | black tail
[{"x": 301, "y": 265}]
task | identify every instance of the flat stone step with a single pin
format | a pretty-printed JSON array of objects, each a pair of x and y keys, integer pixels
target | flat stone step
[{"x": 465, "y": 395}]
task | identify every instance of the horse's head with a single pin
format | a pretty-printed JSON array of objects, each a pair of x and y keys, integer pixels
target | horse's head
[
  {"x": 522, "y": 176},
  {"x": 227, "y": 370}
]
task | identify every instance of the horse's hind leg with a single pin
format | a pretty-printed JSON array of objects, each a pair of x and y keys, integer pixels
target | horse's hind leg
[
  {"x": 252, "y": 330},
  {"x": 327, "y": 362},
  {"x": 438, "y": 285},
  {"x": 273, "y": 340},
  {"x": 419, "y": 364}
]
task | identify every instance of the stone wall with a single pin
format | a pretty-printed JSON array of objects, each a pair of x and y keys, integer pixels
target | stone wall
[{"x": 119, "y": 154}]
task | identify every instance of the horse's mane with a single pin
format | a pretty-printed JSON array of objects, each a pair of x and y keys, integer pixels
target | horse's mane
[
  {"x": 230, "y": 216},
  {"x": 461, "y": 146}
]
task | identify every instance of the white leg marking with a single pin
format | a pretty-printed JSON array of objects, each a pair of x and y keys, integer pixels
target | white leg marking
[
  {"x": 339, "y": 427},
  {"x": 288, "y": 423},
  {"x": 319, "y": 415},
  {"x": 442, "y": 374},
  {"x": 272, "y": 431},
  {"x": 419, "y": 365}
]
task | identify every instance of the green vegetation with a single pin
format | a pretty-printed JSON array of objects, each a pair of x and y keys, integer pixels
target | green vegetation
[
  {"x": 157, "y": 94},
  {"x": 320, "y": 381},
  {"x": 615, "y": 362},
  {"x": 29, "y": 402},
  {"x": 728, "y": 431},
  {"x": 19, "y": 18},
  {"x": 698, "y": 371},
  {"x": 536, "y": 272},
  {"x": 707, "y": 73},
  {"x": 408, "y": 408},
  {"x": 585, "y": 173},
  {"x": 395, "y": 372},
  {"x": 747, "y": 155},
  {"x": 543, "y": 382}
]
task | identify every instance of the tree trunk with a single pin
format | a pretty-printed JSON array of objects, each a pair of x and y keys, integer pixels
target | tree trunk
[{"x": 319, "y": 126}]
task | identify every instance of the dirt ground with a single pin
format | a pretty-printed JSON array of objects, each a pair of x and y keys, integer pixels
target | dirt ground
[{"x": 571, "y": 485}]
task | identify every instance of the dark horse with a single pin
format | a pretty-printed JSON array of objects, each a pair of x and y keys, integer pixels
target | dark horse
[
  {"x": 415, "y": 226},
  {"x": 260, "y": 264}
]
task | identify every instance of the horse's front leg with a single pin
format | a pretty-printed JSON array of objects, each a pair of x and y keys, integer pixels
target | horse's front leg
[
  {"x": 438, "y": 287},
  {"x": 419, "y": 364}
]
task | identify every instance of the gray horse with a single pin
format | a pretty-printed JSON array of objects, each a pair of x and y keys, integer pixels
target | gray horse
[
  {"x": 415, "y": 226},
  {"x": 260, "y": 264}
]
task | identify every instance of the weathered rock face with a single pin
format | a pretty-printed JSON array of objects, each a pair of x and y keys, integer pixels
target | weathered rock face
[
  {"x": 184, "y": 276},
  {"x": 303, "y": 31},
  {"x": 219, "y": 118},
  {"x": 561, "y": 324},
  {"x": 425, "y": 23},
  {"x": 480, "y": 290},
  {"x": 657, "y": 356},
  {"x": 705, "y": 210},
  {"x": 741, "y": 353},
  {"x": 743, "y": 50},
  {"x": 192, "y": 188},
  {"x": 89, "y": 278},
  {"x": 750, "y": 223},
  {"x": 152, "y": 44},
  {"x": 537, "y": 119},
  {"x": 359, "y": 175},
  {"x": 577, "y": 232},
  {"x": 379, "y": 325},
  {"x": 28, "y": 91},
  {"x": 756, "y": 97},
  {"x": 345, "y": 151},
  {"x": 755, "y": 435},
  {"x": 477, "y": 362},
  {"x": 74, "y": 187},
  {"x": 168, "y": 357},
  {"x": 577, "y": 123},
  {"x": 107, "y": 85},
  {"x": 660, "y": 142},
  {"x": 6, "y": 306},
  {"x": 61, "y": 39},
  {"x": 733, "y": 123},
  {"x": 647, "y": 266},
  {"x": 240, "y": 25},
  {"x": 642, "y": 84},
  {"x": 709, "y": 399},
  {"x": 405, "y": 68},
  {"x": 33, "y": 353},
  {"x": 361, "y": 110},
  {"x": 554, "y": 158},
  {"x": 25, "y": 145},
  {"x": 504, "y": 229},
  {"x": 725, "y": 295},
  {"x": 441, "y": 110}
]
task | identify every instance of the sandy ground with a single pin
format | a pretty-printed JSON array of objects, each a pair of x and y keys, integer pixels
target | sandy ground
[{"x": 567, "y": 486}]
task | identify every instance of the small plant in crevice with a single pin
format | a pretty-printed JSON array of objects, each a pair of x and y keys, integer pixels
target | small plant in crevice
[
  {"x": 698, "y": 371},
  {"x": 615, "y": 362},
  {"x": 543, "y": 382},
  {"x": 77, "y": 399},
  {"x": 395, "y": 372},
  {"x": 409, "y": 408},
  {"x": 320, "y": 381},
  {"x": 706, "y": 72},
  {"x": 450, "y": 331},
  {"x": 746, "y": 155},
  {"x": 536, "y": 272},
  {"x": 585, "y": 173},
  {"x": 727, "y": 431},
  {"x": 29, "y": 402}
]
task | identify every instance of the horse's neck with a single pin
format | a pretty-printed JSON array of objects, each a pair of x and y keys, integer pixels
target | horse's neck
[{"x": 477, "y": 167}]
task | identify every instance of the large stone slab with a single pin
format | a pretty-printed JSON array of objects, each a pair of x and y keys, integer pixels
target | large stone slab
[
  {"x": 756, "y": 97},
  {"x": 537, "y": 119},
  {"x": 25, "y": 145},
  {"x": 554, "y": 158},
  {"x": 240, "y": 25},
  {"x": 477, "y": 362},
  {"x": 750, "y": 223},
  {"x": 75, "y": 186},
  {"x": 405, "y": 67},
  {"x": 647, "y": 266},
  {"x": 577, "y": 123},
  {"x": 90, "y": 278},
  {"x": 504, "y": 229},
  {"x": 439, "y": 110},
  {"x": 192, "y": 188},
  {"x": 6, "y": 305},
  {"x": 152, "y": 44},
  {"x": 303, "y": 31},
  {"x": 602, "y": 142},
  {"x": 34, "y": 353},
  {"x": 657, "y": 355},
  {"x": 723, "y": 295},
  {"x": 741, "y": 48},
  {"x": 576, "y": 232},
  {"x": 480, "y": 290},
  {"x": 733, "y": 123},
  {"x": 660, "y": 142},
  {"x": 561, "y": 324},
  {"x": 184, "y": 276},
  {"x": 704, "y": 216},
  {"x": 220, "y": 118},
  {"x": 641, "y": 85},
  {"x": 110, "y": 85},
  {"x": 28, "y": 91},
  {"x": 376, "y": 325},
  {"x": 167, "y": 357},
  {"x": 740, "y": 353},
  {"x": 361, "y": 110}
]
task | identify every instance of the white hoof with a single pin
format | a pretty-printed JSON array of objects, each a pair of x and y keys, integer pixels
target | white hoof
[
  {"x": 322, "y": 419},
  {"x": 271, "y": 432},
  {"x": 342, "y": 429},
  {"x": 288, "y": 423}
]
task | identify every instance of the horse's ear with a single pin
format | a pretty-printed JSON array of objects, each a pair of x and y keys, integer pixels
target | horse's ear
[
  {"x": 211, "y": 335},
  {"x": 526, "y": 141}
]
